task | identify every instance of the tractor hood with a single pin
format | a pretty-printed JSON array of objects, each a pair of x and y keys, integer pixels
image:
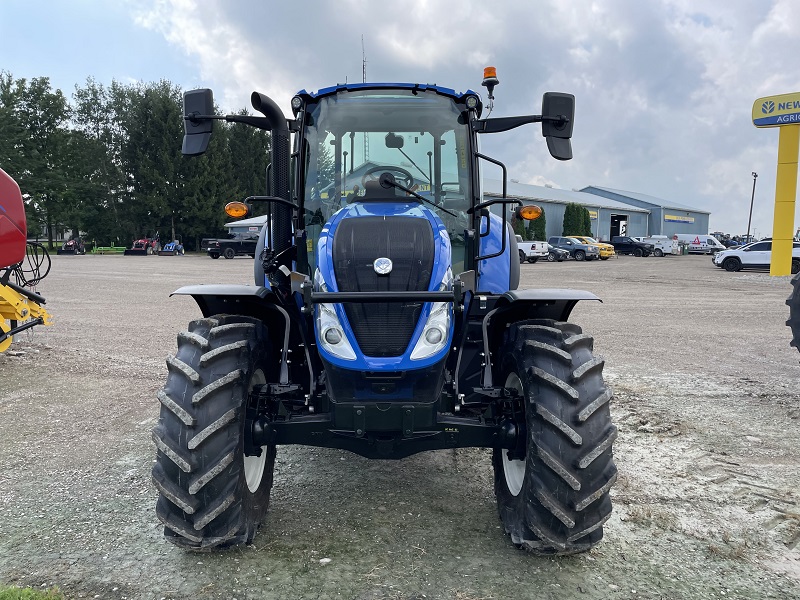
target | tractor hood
[{"x": 384, "y": 247}]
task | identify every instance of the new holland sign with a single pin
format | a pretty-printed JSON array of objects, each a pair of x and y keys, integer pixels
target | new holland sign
[
  {"x": 774, "y": 111},
  {"x": 783, "y": 112}
]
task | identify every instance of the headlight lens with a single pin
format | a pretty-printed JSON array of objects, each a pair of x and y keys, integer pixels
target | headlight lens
[
  {"x": 330, "y": 333},
  {"x": 434, "y": 336}
]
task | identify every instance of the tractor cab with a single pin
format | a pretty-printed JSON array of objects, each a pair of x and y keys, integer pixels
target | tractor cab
[{"x": 393, "y": 144}]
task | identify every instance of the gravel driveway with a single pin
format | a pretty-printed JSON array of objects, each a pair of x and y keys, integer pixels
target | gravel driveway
[{"x": 706, "y": 400}]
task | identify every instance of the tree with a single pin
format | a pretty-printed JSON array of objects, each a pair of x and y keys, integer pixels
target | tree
[
  {"x": 587, "y": 223},
  {"x": 576, "y": 220},
  {"x": 538, "y": 228},
  {"x": 33, "y": 141}
]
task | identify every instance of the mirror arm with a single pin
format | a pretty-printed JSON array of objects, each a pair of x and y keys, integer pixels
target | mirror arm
[
  {"x": 506, "y": 123},
  {"x": 259, "y": 122}
]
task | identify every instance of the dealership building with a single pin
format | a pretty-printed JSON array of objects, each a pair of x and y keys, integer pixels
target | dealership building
[{"x": 612, "y": 212}]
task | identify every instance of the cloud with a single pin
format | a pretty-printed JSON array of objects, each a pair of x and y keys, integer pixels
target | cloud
[{"x": 664, "y": 88}]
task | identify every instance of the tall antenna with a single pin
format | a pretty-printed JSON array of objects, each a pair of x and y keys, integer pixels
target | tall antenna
[
  {"x": 363, "y": 61},
  {"x": 364, "y": 80}
]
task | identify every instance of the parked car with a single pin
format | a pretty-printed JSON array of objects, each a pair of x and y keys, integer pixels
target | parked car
[
  {"x": 606, "y": 250},
  {"x": 556, "y": 254},
  {"x": 624, "y": 244},
  {"x": 236, "y": 245},
  {"x": 756, "y": 255},
  {"x": 531, "y": 251},
  {"x": 577, "y": 249}
]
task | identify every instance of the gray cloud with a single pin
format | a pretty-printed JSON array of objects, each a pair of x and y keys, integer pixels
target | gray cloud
[{"x": 664, "y": 89}]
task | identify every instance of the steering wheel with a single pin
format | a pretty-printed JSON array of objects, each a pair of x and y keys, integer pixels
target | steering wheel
[{"x": 408, "y": 178}]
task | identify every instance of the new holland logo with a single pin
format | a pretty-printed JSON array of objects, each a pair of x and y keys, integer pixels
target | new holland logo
[
  {"x": 382, "y": 266},
  {"x": 768, "y": 107}
]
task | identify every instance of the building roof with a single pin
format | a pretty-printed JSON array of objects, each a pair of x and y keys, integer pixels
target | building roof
[
  {"x": 494, "y": 188},
  {"x": 655, "y": 201}
]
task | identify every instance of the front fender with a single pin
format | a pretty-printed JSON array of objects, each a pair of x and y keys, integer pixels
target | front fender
[
  {"x": 543, "y": 303},
  {"x": 230, "y": 299}
]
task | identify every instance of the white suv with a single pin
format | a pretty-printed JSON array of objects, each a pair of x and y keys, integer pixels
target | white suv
[{"x": 756, "y": 255}]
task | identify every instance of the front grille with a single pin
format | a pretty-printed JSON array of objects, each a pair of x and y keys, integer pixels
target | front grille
[{"x": 383, "y": 329}]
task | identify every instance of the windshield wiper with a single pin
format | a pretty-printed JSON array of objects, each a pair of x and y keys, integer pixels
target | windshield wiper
[
  {"x": 387, "y": 180},
  {"x": 416, "y": 165}
]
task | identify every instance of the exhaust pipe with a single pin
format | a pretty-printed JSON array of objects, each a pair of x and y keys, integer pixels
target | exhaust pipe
[{"x": 281, "y": 216}]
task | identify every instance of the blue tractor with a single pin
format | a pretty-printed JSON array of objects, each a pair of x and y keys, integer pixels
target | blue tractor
[{"x": 385, "y": 320}]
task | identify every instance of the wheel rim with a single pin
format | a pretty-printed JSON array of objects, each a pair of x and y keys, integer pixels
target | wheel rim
[
  {"x": 514, "y": 470},
  {"x": 254, "y": 465}
]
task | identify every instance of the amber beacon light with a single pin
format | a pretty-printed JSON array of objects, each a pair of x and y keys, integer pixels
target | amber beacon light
[
  {"x": 236, "y": 209},
  {"x": 530, "y": 212}
]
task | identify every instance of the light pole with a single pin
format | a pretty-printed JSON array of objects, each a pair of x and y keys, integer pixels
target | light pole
[{"x": 752, "y": 197}]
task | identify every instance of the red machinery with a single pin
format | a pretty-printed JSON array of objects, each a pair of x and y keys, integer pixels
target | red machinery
[
  {"x": 13, "y": 229},
  {"x": 21, "y": 267}
]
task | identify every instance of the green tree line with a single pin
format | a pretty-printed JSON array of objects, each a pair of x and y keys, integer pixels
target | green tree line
[{"x": 108, "y": 162}]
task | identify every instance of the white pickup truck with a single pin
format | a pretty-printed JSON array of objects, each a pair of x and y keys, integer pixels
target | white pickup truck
[
  {"x": 662, "y": 244},
  {"x": 531, "y": 251}
]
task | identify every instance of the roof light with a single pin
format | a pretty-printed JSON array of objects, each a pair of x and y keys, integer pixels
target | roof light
[{"x": 236, "y": 209}]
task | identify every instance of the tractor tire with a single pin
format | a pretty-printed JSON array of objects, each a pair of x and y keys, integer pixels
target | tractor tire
[
  {"x": 533, "y": 259},
  {"x": 793, "y": 302},
  {"x": 732, "y": 264},
  {"x": 556, "y": 499},
  {"x": 210, "y": 493},
  {"x": 150, "y": 251},
  {"x": 604, "y": 257},
  {"x": 580, "y": 255},
  {"x": 658, "y": 253},
  {"x": 638, "y": 252},
  {"x": 229, "y": 253}
]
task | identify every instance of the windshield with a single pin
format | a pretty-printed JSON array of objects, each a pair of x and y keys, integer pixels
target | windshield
[{"x": 420, "y": 138}]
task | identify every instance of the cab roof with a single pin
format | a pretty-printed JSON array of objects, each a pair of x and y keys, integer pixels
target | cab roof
[{"x": 350, "y": 87}]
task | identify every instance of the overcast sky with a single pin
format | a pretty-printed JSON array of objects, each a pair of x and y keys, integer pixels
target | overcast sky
[{"x": 664, "y": 88}]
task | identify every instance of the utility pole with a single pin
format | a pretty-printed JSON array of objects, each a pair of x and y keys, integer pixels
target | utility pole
[{"x": 752, "y": 197}]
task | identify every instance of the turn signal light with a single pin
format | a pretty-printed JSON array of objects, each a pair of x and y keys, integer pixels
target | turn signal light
[
  {"x": 531, "y": 212},
  {"x": 236, "y": 209}
]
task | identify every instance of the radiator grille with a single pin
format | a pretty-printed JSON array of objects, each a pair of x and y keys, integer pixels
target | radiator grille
[{"x": 383, "y": 329}]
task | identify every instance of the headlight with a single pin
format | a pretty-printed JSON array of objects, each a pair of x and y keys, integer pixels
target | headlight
[
  {"x": 434, "y": 335},
  {"x": 330, "y": 333}
]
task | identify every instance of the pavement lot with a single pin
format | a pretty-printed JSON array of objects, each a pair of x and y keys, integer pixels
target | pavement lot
[{"x": 706, "y": 399}]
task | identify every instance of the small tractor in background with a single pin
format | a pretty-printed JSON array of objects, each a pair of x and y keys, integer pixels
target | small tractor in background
[
  {"x": 144, "y": 247},
  {"x": 385, "y": 320},
  {"x": 72, "y": 246},
  {"x": 23, "y": 265},
  {"x": 173, "y": 248}
]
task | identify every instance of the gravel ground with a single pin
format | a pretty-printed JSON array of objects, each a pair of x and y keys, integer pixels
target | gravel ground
[{"x": 706, "y": 400}]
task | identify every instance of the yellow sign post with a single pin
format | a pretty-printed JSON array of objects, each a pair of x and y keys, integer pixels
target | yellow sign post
[{"x": 782, "y": 111}]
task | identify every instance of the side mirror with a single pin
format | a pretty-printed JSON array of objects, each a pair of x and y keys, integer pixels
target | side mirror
[
  {"x": 198, "y": 110},
  {"x": 558, "y": 116}
]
